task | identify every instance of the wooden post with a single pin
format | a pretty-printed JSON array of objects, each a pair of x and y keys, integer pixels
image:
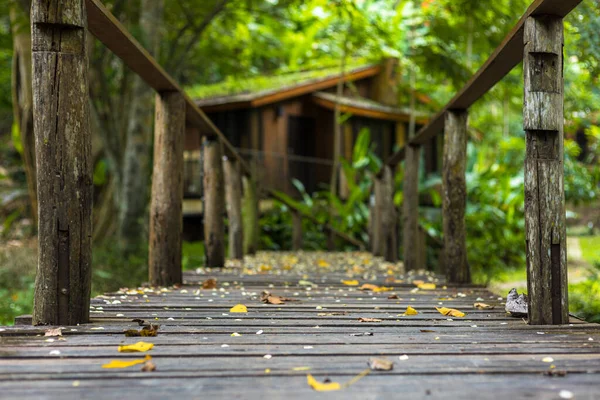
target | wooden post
[
  {"x": 410, "y": 208},
  {"x": 375, "y": 218},
  {"x": 166, "y": 215},
  {"x": 544, "y": 170},
  {"x": 233, "y": 192},
  {"x": 296, "y": 231},
  {"x": 454, "y": 197},
  {"x": 250, "y": 214},
  {"x": 385, "y": 235},
  {"x": 214, "y": 203},
  {"x": 64, "y": 164}
]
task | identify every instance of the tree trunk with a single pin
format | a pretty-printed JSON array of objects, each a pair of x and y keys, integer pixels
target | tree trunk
[
  {"x": 22, "y": 95},
  {"x": 233, "y": 192},
  {"x": 454, "y": 190},
  {"x": 136, "y": 159},
  {"x": 214, "y": 203},
  {"x": 63, "y": 154},
  {"x": 544, "y": 171},
  {"x": 166, "y": 214}
]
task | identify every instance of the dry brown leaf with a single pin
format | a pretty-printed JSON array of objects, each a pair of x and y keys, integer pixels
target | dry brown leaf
[
  {"x": 363, "y": 319},
  {"x": 483, "y": 306},
  {"x": 267, "y": 297},
  {"x": 393, "y": 297},
  {"x": 148, "y": 366},
  {"x": 426, "y": 330},
  {"x": 53, "y": 332},
  {"x": 147, "y": 331},
  {"x": 380, "y": 364},
  {"x": 210, "y": 283}
]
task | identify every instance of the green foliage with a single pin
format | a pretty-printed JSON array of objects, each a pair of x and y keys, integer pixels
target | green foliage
[
  {"x": 114, "y": 268},
  {"x": 17, "y": 280},
  {"x": 192, "y": 255},
  {"x": 584, "y": 297}
]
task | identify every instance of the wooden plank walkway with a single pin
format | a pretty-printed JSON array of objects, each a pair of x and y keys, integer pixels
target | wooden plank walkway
[{"x": 484, "y": 355}]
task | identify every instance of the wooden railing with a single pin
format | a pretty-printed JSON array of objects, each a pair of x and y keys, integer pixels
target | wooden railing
[
  {"x": 63, "y": 151},
  {"x": 63, "y": 140},
  {"x": 537, "y": 39}
]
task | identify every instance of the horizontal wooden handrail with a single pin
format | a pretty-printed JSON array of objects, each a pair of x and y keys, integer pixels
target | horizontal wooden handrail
[
  {"x": 109, "y": 30},
  {"x": 506, "y": 56}
]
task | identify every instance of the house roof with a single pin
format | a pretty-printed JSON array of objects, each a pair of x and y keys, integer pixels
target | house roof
[
  {"x": 245, "y": 95},
  {"x": 361, "y": 106}
]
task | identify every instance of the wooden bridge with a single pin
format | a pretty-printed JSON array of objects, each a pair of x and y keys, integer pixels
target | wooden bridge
[{"x": 327, "y": 325}]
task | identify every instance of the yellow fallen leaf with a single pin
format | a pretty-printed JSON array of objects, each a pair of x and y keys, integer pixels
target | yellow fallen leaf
[
  {"x": 239, "y": 308},
  {"x": 450, "y": 311},
  {"x": 369, "y": 286},
  {"x": 382, "y": 289},
  {"x": 483, "y": 306},
  {"x": 322, "y": 387},
  {"x": 323, "y": 263},
  {"x": 426, "y": 286},
  {"x": 301, "y": 369},
  {"x": 265, "y": 268},
  {"x": 125, "y": 364},
  {"x": 352, "y": 282},
  {"x": 418, "y": 282},
  {"x": 139, "y": 346},
  {"x": 410, "y": 311}
]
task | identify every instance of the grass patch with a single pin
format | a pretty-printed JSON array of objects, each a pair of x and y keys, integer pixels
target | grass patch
[{"x": 232, "y": 86}]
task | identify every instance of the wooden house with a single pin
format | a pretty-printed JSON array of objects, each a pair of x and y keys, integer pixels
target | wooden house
[{"x": 288, "y": 131}]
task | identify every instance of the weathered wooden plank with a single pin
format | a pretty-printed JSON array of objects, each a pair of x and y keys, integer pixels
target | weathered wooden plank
[
  {"x": 214, "y": 203},
  {"x": 385, "y": 228},
  {"x": 410, "y": 208},
  {"x": 233, "y": 192},
  {"x": 166, "y": 214},
  {"x": 454, "y": 197},
  {"x": 297, "y": 237},
  {"x": 544, "y": 188},
  {"x": 64, "y": 165}
]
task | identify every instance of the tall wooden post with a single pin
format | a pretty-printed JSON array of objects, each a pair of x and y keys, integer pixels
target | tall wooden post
[
  {"x": 166, "y": 215},
  {"x": 233, "y": 193},
  {"x": 544, "y": 191},
  {"x": 64, "y": 165},
  {"x": 410, "y": 207},
  {"x": 385, "y": 235},
  {"x": 250, "y": 214},
  {"x": 296, "y": 231},
  {"x": 214, "y": 203},
  {"x": 454, "y": 197}
]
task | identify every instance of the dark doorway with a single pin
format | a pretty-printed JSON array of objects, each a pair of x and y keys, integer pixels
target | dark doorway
[{"x": 301, "y": 143}]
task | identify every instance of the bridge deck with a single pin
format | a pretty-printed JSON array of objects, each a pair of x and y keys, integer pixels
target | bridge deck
[{"x": 484, "y": 355}]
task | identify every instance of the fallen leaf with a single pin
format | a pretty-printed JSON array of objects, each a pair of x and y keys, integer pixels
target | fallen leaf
[
  {"x": 352, "y": 282},
  {"x": 147, "y": 331},
  {"x": 139, "y": 346},
  {"x": 362, "y": 319},
  {"x": 267, "y": 297},
  {"x": 426, "y": 330},
  {"x": 383, "y": 289},
  {"x": 403, "y": 357},
  {"x": 362, "y": 334},
  {"x": 418, "y": 282},
  {"x": 380, "y": 364},
  {"x": 410, "y": 311},
  {"x": 126, "y": 364},
  {"x": 265, "y": 268},
  {"x": 322, "y": 387},
  {"x": 307, "y": 283},
  {"x": 547, "y": 359},
  {"x": 331, "y": 314},
  {"x": 450, "y": 312},
  {"x": 393, "y": 297},
  {"x": 239, "y": 308},
  {"x": 483, "y": 306},
  {"x": 54, "y": 332},
  {"x": 426, "y": 286},
  {"x": 368, "y": 286},
  {"x": 148, "y": 366},
  {"x": 301, "y": 369},
  {"x": 323, "y": 264},
  {"x": 210, "y": 283}
]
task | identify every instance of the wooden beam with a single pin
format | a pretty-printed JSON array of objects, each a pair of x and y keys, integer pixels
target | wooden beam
[
  {"x": 64, "y": 162},
  {"x": 410, "y": 209},
  {"x": 504, "y": 58},
  {"x": 166, "y": 219},
  {"x": 250, "y": 214},
  {"x": 214, "y": 204},
  {"x": 233, "y": 194},
  {"x": 385, "y": 227},
  {"x": 454, "y": 197},
  {"x": 543, "y": 121}
]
